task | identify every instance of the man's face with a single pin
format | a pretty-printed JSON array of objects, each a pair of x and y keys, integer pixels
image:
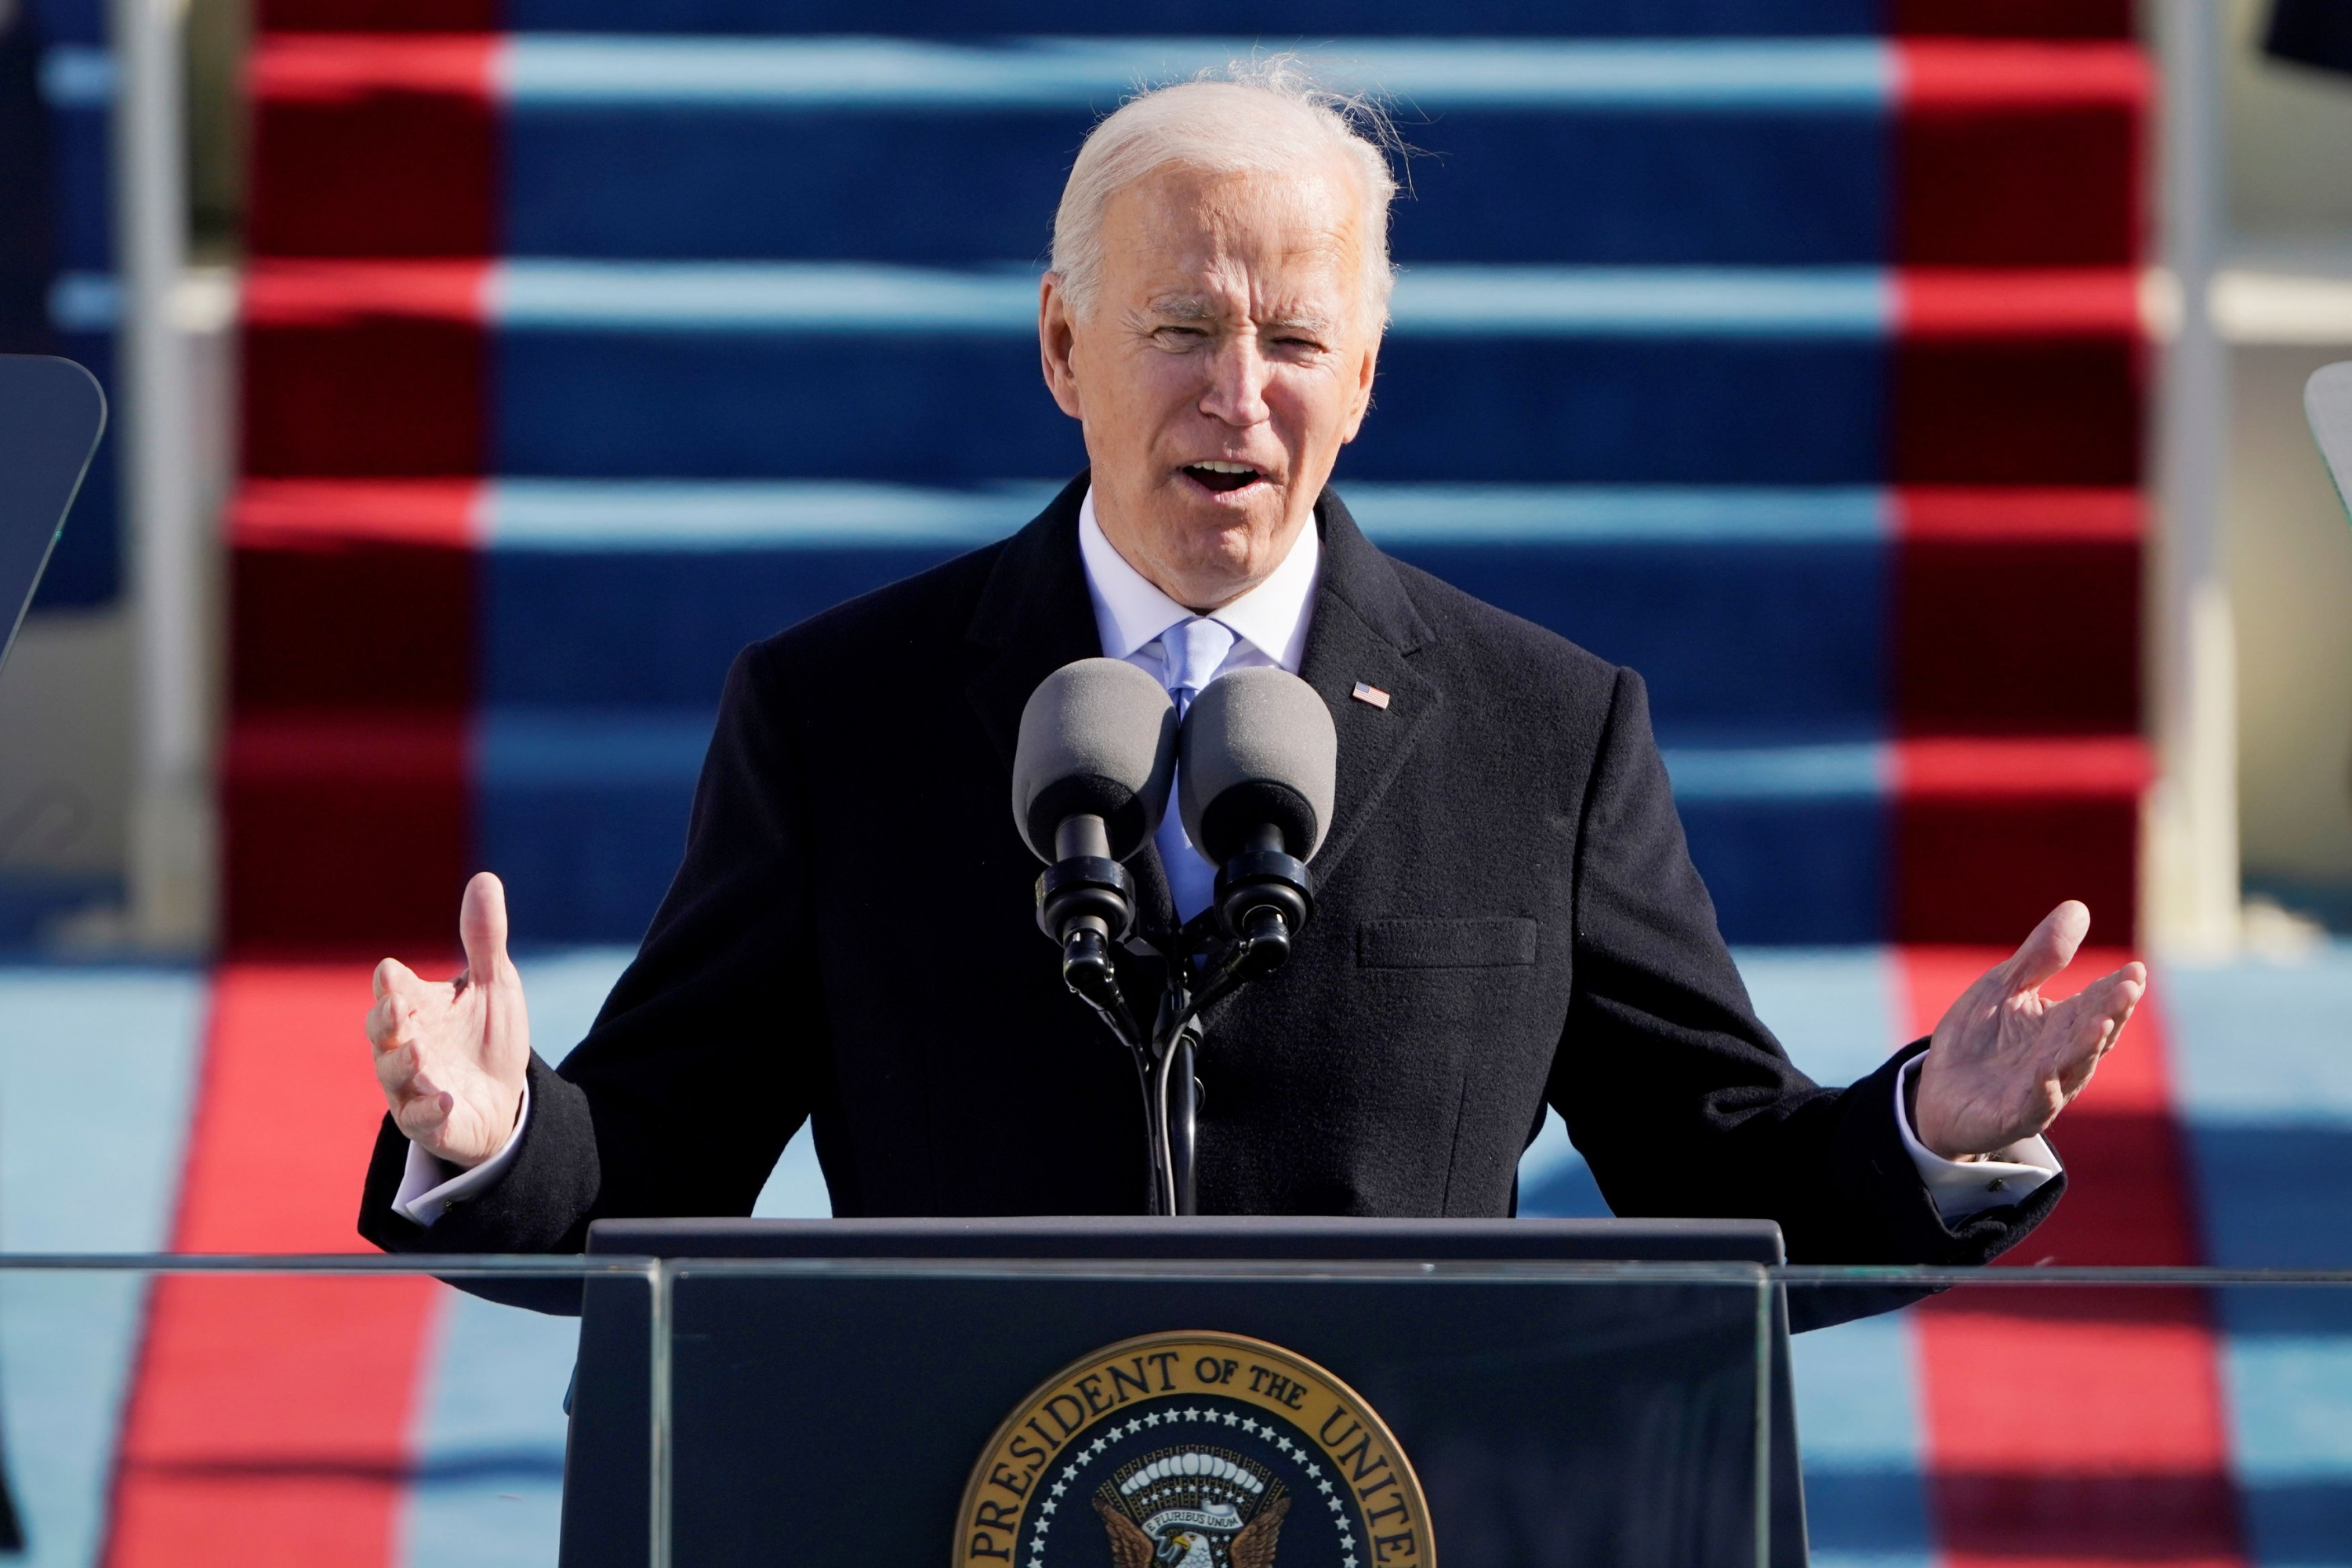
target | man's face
[{"x": 1227, "y": 358}]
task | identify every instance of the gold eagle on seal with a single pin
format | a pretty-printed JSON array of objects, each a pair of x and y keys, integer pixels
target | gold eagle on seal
[{"x": 1252, "y": 1547}]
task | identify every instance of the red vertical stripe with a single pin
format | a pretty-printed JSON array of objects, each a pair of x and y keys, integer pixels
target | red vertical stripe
[
  {"x": 270, "y": 1420},
  {"x": 2082, "y": 1427},
  {"x": 2019, "y": 153},
  {"x": 368, "y": 369},
  {"x": 2061, "y": 814},
  {"x": 2017, "y": 611},
  {"x": 394, "y": 15},
  {"x": 344, "y": 831},
  {"x": 312, "y": 560},
  {"x": 2019, "y": 18},
  {"x": 372, "y": 145},
  {"x": 2010, "y": 377}
]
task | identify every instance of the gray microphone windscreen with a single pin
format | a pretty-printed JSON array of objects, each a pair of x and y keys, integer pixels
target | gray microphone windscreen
[
  {"x": 1259, "y": 748},
  {"x": 1098, "y": 737}
]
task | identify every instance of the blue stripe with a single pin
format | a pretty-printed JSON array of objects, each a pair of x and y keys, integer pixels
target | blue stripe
[
  {"x": 97, "y": 1071},
  {"x": 1587, "y": 301},
  {"x": 1859, "y": 1430},
  {"x": 84, "y": 302},
  {"x": 1837, "y": 1011},
  {"x": 488, "y": 1480},
  {"x": 523, "y": 748},
  {"x": 751, "y": 295},
  {"x": 554, "y": 515},
  {"x": 76, "y": 76},
  {"x": 1430, "y": 302},
  {"x": 2292, "y": 1014},
  {"x": 1430, "y": 74},
  {"x": 1278, "y": 22},
  {"x": 588, "y": 516},
  {"x": 1404, "y": 515},
  {"x": 1837, "y": 771}
]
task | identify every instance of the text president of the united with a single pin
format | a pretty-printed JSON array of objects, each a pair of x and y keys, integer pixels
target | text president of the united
[{"x": 1507, "y": 917}]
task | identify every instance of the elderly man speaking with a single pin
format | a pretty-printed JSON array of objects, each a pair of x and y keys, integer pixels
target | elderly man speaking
[{"x": 1507, "y": 915}]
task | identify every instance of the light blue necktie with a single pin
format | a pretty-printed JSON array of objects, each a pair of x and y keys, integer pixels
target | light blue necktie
[{"x": 1190, "y": 653}]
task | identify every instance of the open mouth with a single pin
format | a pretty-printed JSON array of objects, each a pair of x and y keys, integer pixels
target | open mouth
[{"x": 1222, "y": 477}]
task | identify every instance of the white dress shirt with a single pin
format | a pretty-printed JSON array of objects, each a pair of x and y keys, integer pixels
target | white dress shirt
[{"x": 1269, "y": 624}]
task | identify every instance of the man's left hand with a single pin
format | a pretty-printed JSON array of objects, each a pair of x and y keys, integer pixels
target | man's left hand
[{"x": 2004, "y": 1062}]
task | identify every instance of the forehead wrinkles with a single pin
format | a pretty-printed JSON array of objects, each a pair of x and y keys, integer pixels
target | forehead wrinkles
[
  {"x": 1243, "y": 244},
  {"x": 1308, "y": 286}
]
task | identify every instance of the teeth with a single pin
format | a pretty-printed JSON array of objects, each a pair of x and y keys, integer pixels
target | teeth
[{"x": 1225, "y": 468}]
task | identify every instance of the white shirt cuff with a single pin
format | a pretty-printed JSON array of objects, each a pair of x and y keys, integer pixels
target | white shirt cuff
[
  {"x": 1965, "y": 1187},
  {"x": 430, "y": 1184}
]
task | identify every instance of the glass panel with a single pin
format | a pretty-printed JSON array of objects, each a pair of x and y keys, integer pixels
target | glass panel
[
  {"x": 197, "y": 1412},
  {"x": 2328, "y": 401},
  {"x": 50, "y": 414},
  {"x": 1192, "y": 1414},
  {"x": 2062, "y": 1415}
]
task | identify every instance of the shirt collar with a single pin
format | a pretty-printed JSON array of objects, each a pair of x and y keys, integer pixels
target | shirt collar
[{"x": 1130, "y": 612}]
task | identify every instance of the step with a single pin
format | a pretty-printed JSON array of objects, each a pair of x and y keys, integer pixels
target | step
[
  {"x": 582, "y": 814},
  {"x": 1820, "y": 612},
  {"x": 1938, "y": 151},
  {"x": 62, "y": 158},
  {"x": 1255, "y": 18},
  {"x": 1802, "y": 376}
]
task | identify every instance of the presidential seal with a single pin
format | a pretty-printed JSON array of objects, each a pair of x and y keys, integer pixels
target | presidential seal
[{"x": 1193, "y": 1450}]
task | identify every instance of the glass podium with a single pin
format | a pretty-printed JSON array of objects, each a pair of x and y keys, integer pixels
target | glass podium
[
  {"x": 51, "y": 412},
  {"x": 325, "y": 1410},
  {"x": 2327, "y": 405}
]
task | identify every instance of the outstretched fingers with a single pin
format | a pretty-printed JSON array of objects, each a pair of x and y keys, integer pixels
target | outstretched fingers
[{"x": 2089, "y": 1022}]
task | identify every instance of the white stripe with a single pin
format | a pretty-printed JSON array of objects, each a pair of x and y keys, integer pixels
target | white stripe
[
  {"x": 1423, "y": 74},
  {"x": 1862, "y": 770},
  {"x": 556, "y": 515},
  {"x": 76, "y": 76},
  {"x": 1406, "y": 515},
  {"x": 587, "y": 516},
  {"x": 1450, "y": 301},
  {"x": 739, "y": 296},
  {"x": 1835, "y": 301}
]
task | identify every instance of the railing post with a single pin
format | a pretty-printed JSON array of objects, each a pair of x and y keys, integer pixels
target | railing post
[
  {"x": 2192, "y": 863},
  {"x": 169, "y": 868}
]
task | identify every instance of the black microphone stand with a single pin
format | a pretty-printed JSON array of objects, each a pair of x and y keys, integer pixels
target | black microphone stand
[{"x": 1262, "y": 900}]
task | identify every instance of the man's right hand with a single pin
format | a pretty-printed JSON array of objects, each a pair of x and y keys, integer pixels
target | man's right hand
[{"x": 451, "y": 1054}]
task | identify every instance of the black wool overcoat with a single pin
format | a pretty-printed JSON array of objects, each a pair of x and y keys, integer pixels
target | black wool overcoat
[{"x": 1506, "y": 917}]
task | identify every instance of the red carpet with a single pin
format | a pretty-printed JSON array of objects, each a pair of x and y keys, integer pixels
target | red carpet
[
  {"x": 270, "y": 1417},
  {"x": 2080, "y": 1426}
]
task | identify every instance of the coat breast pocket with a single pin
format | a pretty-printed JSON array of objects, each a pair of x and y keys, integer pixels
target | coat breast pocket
[{"x": 1493, "y": 943}]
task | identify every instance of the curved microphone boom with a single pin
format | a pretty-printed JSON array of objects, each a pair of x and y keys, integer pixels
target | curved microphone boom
[
  {"x": 1258, "y": 766},
  {"x": 1090, "y": 781}
]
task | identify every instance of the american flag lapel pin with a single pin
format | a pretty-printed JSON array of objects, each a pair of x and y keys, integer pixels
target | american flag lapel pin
[{"x": 1371, "y": 694}]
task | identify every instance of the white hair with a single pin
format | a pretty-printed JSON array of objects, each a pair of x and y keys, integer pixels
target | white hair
[{"x": 1261, "y": 116}]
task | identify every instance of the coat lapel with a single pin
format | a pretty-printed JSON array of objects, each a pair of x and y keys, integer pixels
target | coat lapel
[
  {"x": 1364, "y": 629},
  {"x": 1035, "y": 615}
]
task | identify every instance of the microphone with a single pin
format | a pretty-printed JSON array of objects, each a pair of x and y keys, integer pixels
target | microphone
[
  {"x": 1259, "y": 763},
  {"x": 1090, "y": 782}
]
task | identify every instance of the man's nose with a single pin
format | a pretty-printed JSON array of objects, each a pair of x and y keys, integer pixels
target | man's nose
[{"x": 1237, "y": 379}]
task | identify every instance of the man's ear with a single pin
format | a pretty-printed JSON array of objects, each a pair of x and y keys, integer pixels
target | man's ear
[
  {"x": 1057, "y": 341},
  {"x": 1361, "y": 403}
]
